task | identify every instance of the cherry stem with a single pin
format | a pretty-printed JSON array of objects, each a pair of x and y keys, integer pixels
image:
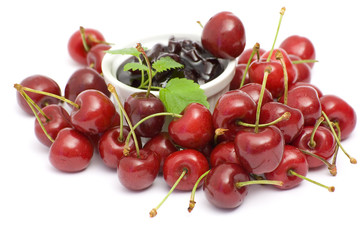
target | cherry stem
[
  {"x": 330, "y": 189},
  {"x": 112, "y": 89},
  {"x": 252, "y": 182},
  {"x": 312, "y": 142},
  {"x": 337, "y": 139},
  {"x": 18, "y": 86},
  {"x": 255, "y": 50},
  {"x": 141, "y": 49},
  {"x": 282, "y": 11},
  {"x": 337, "y": 146},
  {"x": 153, "y": 211},
  {"x": 285, "y": 116},
  {"x": 263, "y": 86},
  {"x": 200, "y": 24},
  {"x": 304, "y": 61},
  {"x": 279, "y": 56},
  {"x": 219, "y": 132},
  {"x": 192, "y": 196},
  {"x": 83, "y": 37},
  {"x": 331, "y": 167}
]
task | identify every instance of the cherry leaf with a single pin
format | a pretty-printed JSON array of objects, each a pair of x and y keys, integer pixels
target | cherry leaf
[
  {"x": 135, "y": 66},
  {"x": 166, "y": 63},
  {"x": 126, "y": 51}
]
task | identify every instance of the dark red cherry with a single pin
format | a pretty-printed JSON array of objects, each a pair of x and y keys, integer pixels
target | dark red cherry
[
  {"x": 303, "y": 70},
  {"x": 95, "y": 56},
  {"x": 224, "y": 35},
  {"x": 246, "y": 54},
  {"x": 219, "y": 185},
  {"x": 41, "y": 83},
  {"x": 140, "y": 105},
  {"x": 71, "y": 151},
  {"x": 297, "y": 84},
  {"x": 224, "y": 152},
  {"x": 57, "y": 119},
  {"x": 84, "y": 79},
  {"x": 324, "y": 144},
  {"x": 293, "y": 159},
  {"x": 237, "y": 79},
  {"x": 254, "y": 89},
  {"x": 299, "y": 46},
  {"x": 338, "y": 110},
  {"x": 194, "y": 129},
  {"x": 138, "y": 172},
  {"x": 259, "y": 152},
  {"x": 193, "y": 162}
]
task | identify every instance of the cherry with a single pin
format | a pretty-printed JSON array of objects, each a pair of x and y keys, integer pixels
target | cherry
[
  {"x": 303, "y": 70},
  {"x": 254, "y": 89},
  {"x": 95, "y": 112},
  {"x": 246, "y": 54},
  {"x": 138, "y": 170},
  {"x": 239, "y": 73},
  {"x": 299, "y": 46},
  {"x": 163, "y": 145},
  {"x": 41, "y": 83},
  {"x": 307, "y": 101},
  {"x": 224, "y": 152},
  {"x": 224, "y": 35},
  {"x": 140, "y": 105},
  {"x": 297, "y": 84},
  {"x": 84, "y": 79},
  {"x": 231, "y": 107},
  {"x": 338, "y": 110},
  {"x": 82, "y": 41},
  {"x": 194, "y": 129},
  {"x": 291, "y": 127},
  {"x": 320, "y": 142},
  {"x": 95, "y": 56},
  {"x": 53, "y": 118},
  {"x": 71, "y": 151}
]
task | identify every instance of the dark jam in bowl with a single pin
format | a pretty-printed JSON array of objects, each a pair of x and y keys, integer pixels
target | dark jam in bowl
[{"x": 199, "y": 65}]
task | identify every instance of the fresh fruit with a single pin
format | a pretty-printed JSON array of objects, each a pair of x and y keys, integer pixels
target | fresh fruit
[{"x": 299, "y": 46}]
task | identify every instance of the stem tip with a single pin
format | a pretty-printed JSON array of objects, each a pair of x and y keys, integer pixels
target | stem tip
[
  {"x": 153, "y": 212},
  {"x": 191, "y": 205}
]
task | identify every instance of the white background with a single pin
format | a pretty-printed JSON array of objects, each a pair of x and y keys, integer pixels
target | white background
[{"x": 39, "y": 202}]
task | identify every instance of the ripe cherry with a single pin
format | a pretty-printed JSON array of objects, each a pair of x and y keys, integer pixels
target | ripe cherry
[
  {"x": 246, "y": 54},
  {"x": 71, "y": 151},
  {"x": 95, "y": 56},
  {"x": 224, "y": 35},
  {"x": 297, "y": 84},
  {"x": 223, "y": 152},
  {"x": 254, "y": 89},
  {"x": 303, "y": 70},
  {"x": 237, "y": 79},
  {"x": 42, "y": 83}
]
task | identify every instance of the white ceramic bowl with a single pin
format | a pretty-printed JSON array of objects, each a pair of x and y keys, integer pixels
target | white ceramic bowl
[{"x": 213, "y": 89}]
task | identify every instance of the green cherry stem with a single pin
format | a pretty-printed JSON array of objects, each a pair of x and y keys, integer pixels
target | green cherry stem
[
  {"x": 279, "y": 56},
  {"x": 282, "y": 12},
  {"x": 192, "y": 196},
  {"x": 141, "y": 49},
  {"x": 200, "y": 24},
  {"x": 153, "y": 211},
  {"x": 83, "y": 38},
  {"x": 252, "y": 182},
  {"x": 312, "y": 142},
  {"x": 330, "y": 189},
  {"x": 284, "y": 117},
  {"x": 254, "y": 51},
  {"x": 263, "y": 86},
  {"x": 304, "y": 61},
  {"x": 330, "y": 166},
  {"x": 337, "y": 146}
]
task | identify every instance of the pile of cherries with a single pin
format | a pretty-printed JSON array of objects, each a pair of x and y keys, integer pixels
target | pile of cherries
[{"x": 271, "y": 127}]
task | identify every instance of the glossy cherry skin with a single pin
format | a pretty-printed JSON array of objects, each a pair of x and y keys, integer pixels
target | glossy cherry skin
[
  {"x": 237, "y": 79},
  {"x": 139, "y": 106},
  {"x": 260, "y": 152},
  {"x": 291, "y": 127},
  {"x": 325, "y": 144},
  {"x": 84, "y": 79},
  {"x": 41, "y": 83},
  {"x": 96, "y": 113},
  {"x": 224, "y": 35},
  {"x": 192, "y": 161},
  {"x": 307, "y": 101},
  {"x": 318, "y": 91},
  {"x": 303, "y": 70},
  {"x": 194, "y": 129},
  {"x": 219, "y": 185},
  {"x": 71, "y": 151},
  {"x": 231, "y": 107},
  {"x": 299, "y": 46},
  {"x": 245, "y": 55},
  {"x": 76, "y": 47},
  {"x": 293, "y": 159},
  {"x": 111, "y": 148},
  {"x": 58, "y": 118},
  {"x": 95, "y": 56},
  {"x": 254, "y": 89},
  {"x": 138, "y": 173},
  {"x": 338, "y": 110},
  {"x": 224, "y": 152},
  {"x": 163, "y": 145}
]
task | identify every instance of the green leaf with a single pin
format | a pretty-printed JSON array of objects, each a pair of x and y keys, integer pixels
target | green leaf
[
  {"x": 126, "y": 51},
  {"x": 135, "y": 66},
  {"x": 166, "y": 63},
  {"x": 180, "y": 92}
]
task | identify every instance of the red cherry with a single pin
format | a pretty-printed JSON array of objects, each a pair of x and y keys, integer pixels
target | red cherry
[
  {"x": 71, "y": 151},
  {"x": 303, "y": 70},
  {"x": 237, "y": 79},
  {"x": 297, "y": 84},
  {"x": 57, "y": 119},
  {"x": 338, "y": 110},
  {"x": 293, "y": 159},
  {"x": 299, "y": 46},
  {"x": 224, "y": 35},
  {"x": 95, "y": 114},
  {"x": 254, "y": 89},
  {"x": 194, "y": 129},
  {"x": 41, "y": 83},
  {"x": 138, "y": 172},
  {"x": 224, "y": 152},
  {"x": 193, "y": 162},
  {"x": 219, "y": 185},
  {"x": 95, "y": 56},
  {"x": 259, "y": 152},
  {"x": 76, "y": 47},
  {"x": 245, "y": 55}
]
